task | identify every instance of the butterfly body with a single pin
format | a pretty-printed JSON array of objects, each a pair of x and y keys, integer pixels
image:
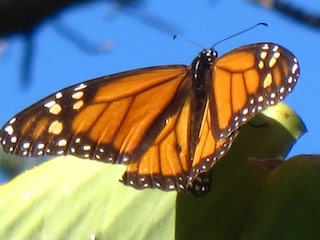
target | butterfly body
[{"x": 169, "y": 124}]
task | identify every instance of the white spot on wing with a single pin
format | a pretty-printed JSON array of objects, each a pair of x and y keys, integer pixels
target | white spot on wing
[
  {"x": 58, "y": 95},
  {"x": 77, "y": 95},
  {"x": 55, "y": 127},
  {"x": 77, "y": 105},
  {"x": 86, "y": 147},
  {"x": 80, "y": 87},
  {"x": 40, "y": 146},
  {"x": 272, "y": 62},
  {"x": 55, "y": 109},
  {"x": 12, "y": 120},
  {"x": 9, "y": 129},
  {"x": 50, "y": 104},
  {"x": 275, "y": 48},
  {"x": 62, "y": 142},
  {"x": 263, "y": 55},
  {"x": 260, "y": 99},
  {"x": 245, "y": 111},
  {"x": 26, "y": 145}
]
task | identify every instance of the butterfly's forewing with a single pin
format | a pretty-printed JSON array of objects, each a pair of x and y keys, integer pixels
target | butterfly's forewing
[
  {"x": 104, "y": 119},
  {"x": 247, "y": 80}
]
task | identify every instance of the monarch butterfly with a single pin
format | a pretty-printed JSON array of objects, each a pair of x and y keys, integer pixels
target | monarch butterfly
[{"x": 168, "y": 124}]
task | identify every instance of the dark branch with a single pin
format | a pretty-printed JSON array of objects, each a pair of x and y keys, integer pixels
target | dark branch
[
  {"x": 24, "y": 16},
  {"x": 293, "y": 12}
]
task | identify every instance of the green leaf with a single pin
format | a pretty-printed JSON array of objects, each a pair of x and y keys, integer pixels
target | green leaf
[
  {"x": 71, "y": 198},
  {"x": 289, "y": 204}
]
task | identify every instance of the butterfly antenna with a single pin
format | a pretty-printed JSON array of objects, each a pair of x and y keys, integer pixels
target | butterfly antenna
[
  {"x": 187, "y": 40},
  {"x": 238, "y": 33}
]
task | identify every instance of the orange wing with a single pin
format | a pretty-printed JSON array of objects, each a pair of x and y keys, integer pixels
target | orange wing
[
  {"x": 247, "y": 80},
  {"x": 104, "y": 119}
]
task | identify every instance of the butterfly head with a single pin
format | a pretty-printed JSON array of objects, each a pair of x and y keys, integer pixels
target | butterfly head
[
  {"x": 209, "y": 55},
  {"x": 204, "y": 60}
]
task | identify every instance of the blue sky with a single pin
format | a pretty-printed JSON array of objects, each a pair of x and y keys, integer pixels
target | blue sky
[{"x": 58, "y": 63}]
